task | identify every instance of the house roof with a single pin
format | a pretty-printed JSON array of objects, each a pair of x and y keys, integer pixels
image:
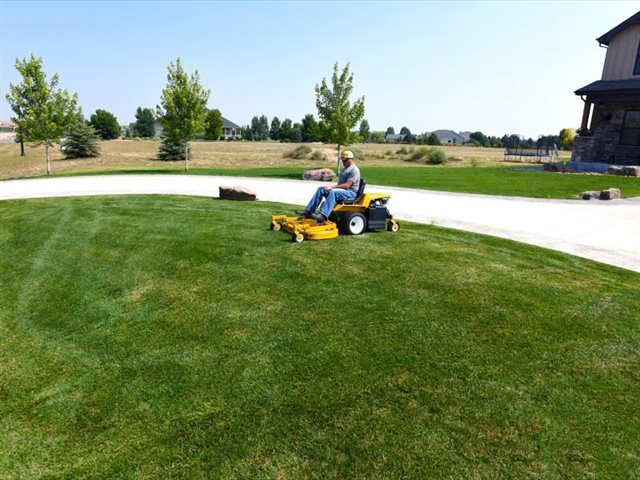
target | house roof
[
  {"x": 7, "y": 124},
  {"x": 229, "y": 124},
  {"x": 607, "y": 37},
  {"x": 610, "y": 86}
]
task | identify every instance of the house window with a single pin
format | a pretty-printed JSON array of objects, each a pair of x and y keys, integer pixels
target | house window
[
  {"x": 636, "y": 69},
  {"x": 631, "y": 128}
]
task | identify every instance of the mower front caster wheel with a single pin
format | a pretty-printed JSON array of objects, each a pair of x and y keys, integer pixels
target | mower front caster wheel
[
  {"x": 275, "y": 226},
  {"x": 393, "y": 227},
  {"x": 297, "y": 238}
]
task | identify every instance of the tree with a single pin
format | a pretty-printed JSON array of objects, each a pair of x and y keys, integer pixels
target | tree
[
  {"x": 296, "y": 134},
  {"x": 263, "y": 127},
  {"x": 390, "y": 131},
  {"x": 433, "y": 139},
  {"x": 566, "y": 138},
  {"x": 43, "y": 111},
  {"x": 246, "y": 133},
  {"x": 213, "y": 124},
  {"x": 364, "y": 131},
  {"x": 105, "y": 124},
  {"x": 81, "y": 142},
  {"x": 274, "y": 131},
  {"x": 145, "y": 124},
  {"x": 183, "y": 107},
  {"x": 286, "y": 130},
  {"x": 334, "y": 108},
  {"x": 480, "y": 138},
  {"x": 309, "y": 130},
  {"x": 173, "y": 149}
]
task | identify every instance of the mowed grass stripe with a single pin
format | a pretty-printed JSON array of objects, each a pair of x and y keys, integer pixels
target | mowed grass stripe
[{"x": 176, "y": 336}]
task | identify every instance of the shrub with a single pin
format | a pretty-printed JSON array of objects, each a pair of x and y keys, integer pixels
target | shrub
[
  {"x": 436, "y": 157},
  {"x": 171, "y": 149},
  {"x": 420, "y": 153},
  {"x": 301, "y": 152},
  {"x": 317, "y": 155},
  {"x": 402, "y": 151}
]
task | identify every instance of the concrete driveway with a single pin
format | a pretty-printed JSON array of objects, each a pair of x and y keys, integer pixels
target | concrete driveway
[{"x": 608, "y": 232}]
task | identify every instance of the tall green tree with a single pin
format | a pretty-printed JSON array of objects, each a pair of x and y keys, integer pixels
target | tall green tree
[
  {"x": 105, "y": 124},
  {"x": 286, "y": 130},
  {"x": 274, "y": 131},
  {"x": 183, "y": 103},
  {"x": 365, "y": 131},
  {"x": 263, "y": 127},
  {"x": 213, "y": 124},
  {"x": 145, "y": 124},
  {"x": 309, "y": 129},
  {"x": 44, "y": 112},
  {"x": 81, "y": 142},
  {"x": 334, "y": 107},
  {"x": 390, "y": 131}
]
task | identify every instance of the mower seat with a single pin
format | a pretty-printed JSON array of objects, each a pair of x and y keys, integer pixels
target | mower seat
[{"x": 348, "y": 201}]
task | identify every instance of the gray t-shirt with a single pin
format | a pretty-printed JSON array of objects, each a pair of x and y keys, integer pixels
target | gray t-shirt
[{"x": 352, "y": 174}]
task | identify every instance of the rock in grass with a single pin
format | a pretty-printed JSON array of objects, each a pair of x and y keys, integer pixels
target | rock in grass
[
  {"x": 629, "y": 171},
  {"x": 319, "y": 174},
  {"x": 609, "y": 194},
  {"x": 237, "y": 193}
]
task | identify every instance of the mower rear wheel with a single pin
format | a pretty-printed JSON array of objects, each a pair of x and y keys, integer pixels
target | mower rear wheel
[{"x": 354, "y": 223}]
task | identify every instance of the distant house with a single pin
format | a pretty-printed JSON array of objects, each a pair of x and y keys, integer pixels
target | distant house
[
  {"x": 448, "y": 137},
  {"x": 613, "y": 102},
  {"x": 230, "y": 130},
  {"x": 393, "y": 138},
  {"x": 7, "y": 126}
]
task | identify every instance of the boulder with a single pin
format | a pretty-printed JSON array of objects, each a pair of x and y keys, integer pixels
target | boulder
[
  {"x": 590, "y": 195},
  {"x": 629, "y": 171},
  {"x": 319, "y": 174},
  {"x": 609, "y": 194},
  {"x": 237, "y": 193}
]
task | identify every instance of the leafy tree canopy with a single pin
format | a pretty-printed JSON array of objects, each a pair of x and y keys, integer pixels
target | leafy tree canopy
[
  {"x": 335, "y": 109},
  {"x": 105, "y": 124},
  {"x": 213, "y": 124}
]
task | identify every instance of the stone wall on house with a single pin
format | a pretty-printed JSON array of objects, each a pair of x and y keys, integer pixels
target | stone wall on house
[{"x": 603, "y": 145}]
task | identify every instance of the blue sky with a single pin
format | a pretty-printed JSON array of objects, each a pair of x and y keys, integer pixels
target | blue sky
[{"x": 498, "y": 67}]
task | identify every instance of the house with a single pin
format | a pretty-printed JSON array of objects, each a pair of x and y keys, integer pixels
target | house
[
  {"x": 610, "y": 128},
  {"x": 230, "y": 130},
  {"x": 448, "y": 137},
  {"x": 393, "y": 138},
  {"x": 7, "y": 126}
]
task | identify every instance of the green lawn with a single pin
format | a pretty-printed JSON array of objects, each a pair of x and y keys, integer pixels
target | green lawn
[
  {"x": 177, "y": 337},
  {"x": 509, "y": 181}
]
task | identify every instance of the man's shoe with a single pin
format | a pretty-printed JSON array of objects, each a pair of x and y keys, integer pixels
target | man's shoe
[
  {"x": 318, "y": 217},
  {"x": 303, "y": 213}
]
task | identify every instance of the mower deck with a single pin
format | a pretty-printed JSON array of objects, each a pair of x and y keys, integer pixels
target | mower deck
[{"x": 301, "y": 228}]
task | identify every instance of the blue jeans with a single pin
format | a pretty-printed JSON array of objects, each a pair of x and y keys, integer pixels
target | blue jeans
[{"x": 333, "y": 196}]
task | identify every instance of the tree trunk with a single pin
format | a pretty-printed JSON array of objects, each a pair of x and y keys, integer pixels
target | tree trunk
[
  {"x": 22, "y": 154},
  {"x": 338, "y": 165},
  {"x": 46, "y": 156},
  {"x": 186, "y": 156}
]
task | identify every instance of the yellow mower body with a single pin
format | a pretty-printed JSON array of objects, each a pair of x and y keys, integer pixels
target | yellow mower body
[{"x": 367, "y": 212}]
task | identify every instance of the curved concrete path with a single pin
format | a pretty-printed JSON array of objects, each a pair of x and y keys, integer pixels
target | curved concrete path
[{"x": 608, "y": 232}]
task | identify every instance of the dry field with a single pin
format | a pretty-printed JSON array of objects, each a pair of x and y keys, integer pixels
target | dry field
[{"x": 140, "y": 155}]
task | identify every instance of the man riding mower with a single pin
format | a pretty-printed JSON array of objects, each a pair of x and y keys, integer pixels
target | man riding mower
[{"x": 346, "y": 209}]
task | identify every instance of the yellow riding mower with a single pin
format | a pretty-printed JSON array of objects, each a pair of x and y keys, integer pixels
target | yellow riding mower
[{"x": 352, "y": 217}]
